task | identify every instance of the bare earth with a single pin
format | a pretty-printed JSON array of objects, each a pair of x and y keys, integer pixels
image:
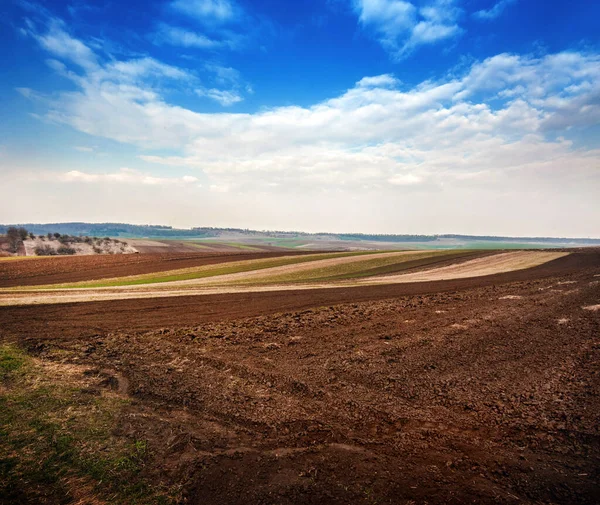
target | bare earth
[{"x": 467, "y": 390}]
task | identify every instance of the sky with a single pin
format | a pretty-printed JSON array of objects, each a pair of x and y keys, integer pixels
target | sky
[{"x": 377, "y": 116}]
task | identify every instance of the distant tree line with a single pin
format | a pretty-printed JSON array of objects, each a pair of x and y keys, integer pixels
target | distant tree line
[
  {"x": 168, "y": 232},
  {"x": 120, "y": 230}
]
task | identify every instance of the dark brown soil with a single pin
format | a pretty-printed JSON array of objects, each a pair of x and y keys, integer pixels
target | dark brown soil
[
  {"x": 469, "y": 391},
  {"x": 82, "y": 268}
]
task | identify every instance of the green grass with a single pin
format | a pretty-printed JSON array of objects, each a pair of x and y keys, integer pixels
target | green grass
[
  {"x": 198, "y": 246},
  {"x": 10, "y": 361},
  {"x": 509, "y": 245},
  {"x": 196, "y": 273},
  {"x": 285, "y": 242},
  {"x": 57, "y": 441},
  {"x": 237, "y": 245},
  {"x": 258, "y": 243},
  {"x": 243, "y": 247}
]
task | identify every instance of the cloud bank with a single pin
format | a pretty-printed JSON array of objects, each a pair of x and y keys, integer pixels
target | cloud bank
[{"x": 503, "y": 126}]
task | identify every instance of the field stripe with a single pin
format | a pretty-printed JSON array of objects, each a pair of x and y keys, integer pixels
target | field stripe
[
  {"x": 499, "y": 263},
  {"x": 192, "y": 273},
  {"x": 300, "y": 271},
  {"x": 502, "y": 262},
  {"x": 419, "y": 264},
  {"x": 323, "y": 270}
]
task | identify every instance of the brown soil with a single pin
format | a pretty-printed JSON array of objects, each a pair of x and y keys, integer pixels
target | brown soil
[
  {"x": 467, "y": 391},
  {"x": 38, "y": 271}
]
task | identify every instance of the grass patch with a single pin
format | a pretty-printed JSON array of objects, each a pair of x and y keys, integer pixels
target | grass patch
[
  {"x": 57, "y": 443},
  {"x": 10, "y": 361},
  {"x": 290, "y": 243},
  {"x": 510, "y": 245},
  {"x": 198, "y": 246},
  {"x": 214, "y": 244},
  {"x": 243, "y": 247}
]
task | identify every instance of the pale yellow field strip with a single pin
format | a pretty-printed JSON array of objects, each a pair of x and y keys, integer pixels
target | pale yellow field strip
[
  {"x": 25, "y": 258},
  {"x": 103, "y": 294},
  {"x": 499, "y": 263},
  {"x": 137, "y": 242}
]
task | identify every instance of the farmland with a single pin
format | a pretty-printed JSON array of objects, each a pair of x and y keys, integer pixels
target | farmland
[
  {"x": 43, "y": 271},
  {"x": 277, "y": 271},
  {"x": 284, "y": 377}
]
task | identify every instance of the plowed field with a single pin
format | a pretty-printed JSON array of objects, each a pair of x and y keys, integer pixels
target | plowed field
[{"x": 468, "y": 390}]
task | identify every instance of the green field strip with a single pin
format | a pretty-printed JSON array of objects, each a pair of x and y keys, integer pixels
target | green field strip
[
  {"x": 191, "y": 273},
  {"x": 243, "y": 247},
  {"x": 214, "y": 244},
  {"x": 511, "y": 245},
  {"x": 289, "y": 243},
  {"x": 198, "y": 246}
]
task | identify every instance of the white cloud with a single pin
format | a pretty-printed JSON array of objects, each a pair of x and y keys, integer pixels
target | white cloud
[
  {"x": 225, "y": 97},
  {"x": 405, "y": 179},
  {"x": 494, "y": 12},
  {"x": 209, "y": 11},
  {"x": 224, "y": 75},
  {"x": 60, "y": 44},
  {"x": 84, "y": 149},
  {"x": 176, "y": 36},
  {"x": 400, "y": 26},
  {"x": 127, "y": 83},
  {"x": 27, "y": 93},
  {"x": 125, "y": 89},
  {"x": 215, "y": 188},
  {"x": 125, "y": 175},
  {"x": 141, "y": 68},
  {"x": 494, "y": 130},
  {"x": 378, "y": 81},
  {"x": 433, "y": 134}
]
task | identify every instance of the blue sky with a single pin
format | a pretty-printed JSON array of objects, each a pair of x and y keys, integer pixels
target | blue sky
[{"x": 396, "y": 116}]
